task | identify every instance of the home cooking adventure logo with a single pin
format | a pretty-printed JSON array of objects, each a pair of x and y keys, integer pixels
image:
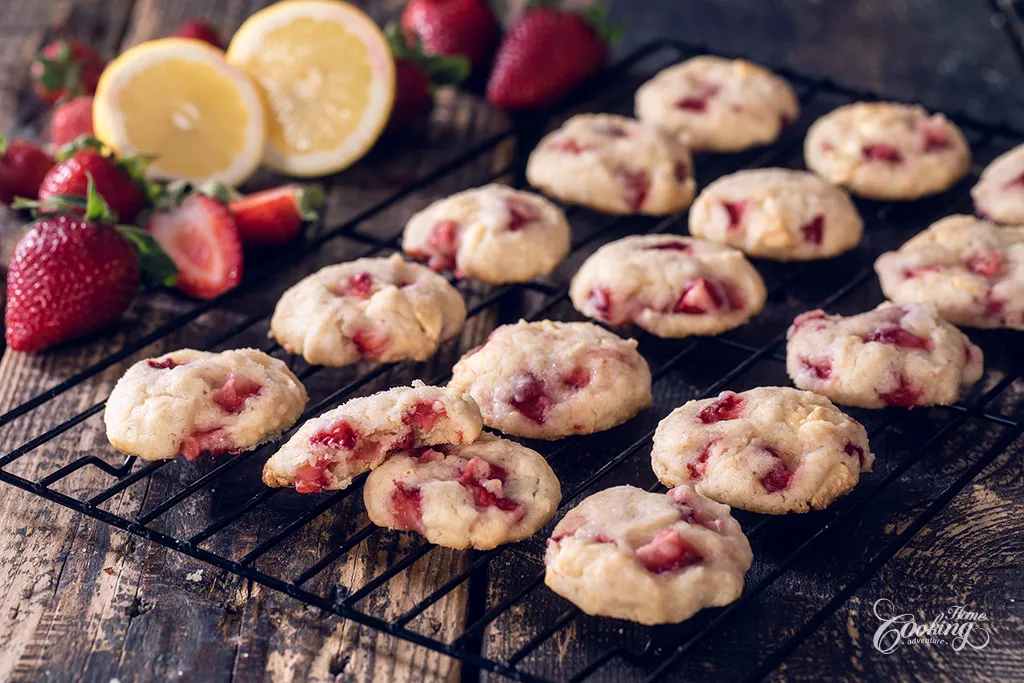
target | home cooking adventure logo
[{"x": 958, "y": 627}]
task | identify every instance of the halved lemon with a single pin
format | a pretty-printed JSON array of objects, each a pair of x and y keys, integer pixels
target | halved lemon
[
  {"x": 180, "y": 101},
  {"x": 328, "y": 79}
]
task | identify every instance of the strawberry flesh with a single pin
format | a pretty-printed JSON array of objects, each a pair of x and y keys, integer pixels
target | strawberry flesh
[
  {"x": 569, "y": 146},
  {"x": 698, "y": 467},
  {"x": 520, "y": 214},
  {"x": 407, "y": 506},
  {"x": 986, "y": 263},
  {"x": 530, "y": 398},
  {"x": 667, "y": 552},
  {"x": 371, "y": 344},
  {"x": 807, "y": 317},
  {"x": 819, "y": 367},
  {"x": 424, "y": 416},
  {"x": 339, "y": 436},
  {"x": 635, "y": 187},
  {"x": 905, "y": 395},
  {"x": 853, "y": 449},
  {"x": 601, "y": 299},
  {"x": 359, "y": 285},
  {"x": 165, "y": 364},
  {"x": 444, "y": 239},
  {"x": 727, "y": 407},
  {"x": 701, "y": 296},
  {"x": 201, "y": 238},
  {"x": 898, "y": 336},
  {"x": 882, "y": 152},
  {"x": 475, "y": 474},
  {"x": 233, "y": 394},
  {"x": 936, "y": 137},
  {"x": 578, "y": 379},
  {"x": 672, "y": 246},
  {"x": 212, "y": 442},
  {"x": 814, "y": 231},
  {"x": 779, "y": 476},
  {"x": 681, "y": 171},
  {"x": 313, "y": 478},
  {"x": 735, "y": 212}
]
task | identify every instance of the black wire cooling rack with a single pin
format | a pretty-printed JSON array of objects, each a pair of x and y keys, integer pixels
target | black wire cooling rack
[{"x": 510, "y": 623}]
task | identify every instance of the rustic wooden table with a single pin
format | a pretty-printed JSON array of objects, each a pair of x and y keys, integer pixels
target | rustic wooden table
[{"x": 82, "y": 601}]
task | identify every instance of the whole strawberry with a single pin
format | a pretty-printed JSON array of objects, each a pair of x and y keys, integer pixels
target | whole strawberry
[
  {"x": 452, "y": 27},
  {"x": 198, "y": 29},
  {"x": 545, "y": 55},
  {"x": 65, "y": 68},
  {"x": 117, "y": 181},
  {"x": 23, "y": 166},
  {"x": 71, "y": 275},
  {"x": 71, "y": 120},
  {"x": 274, "y": 217},
  {"x": 416, "y": 76}
]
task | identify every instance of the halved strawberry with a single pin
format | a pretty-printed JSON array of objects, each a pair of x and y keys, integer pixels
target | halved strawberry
[
  {"x": 201, "y": 238},
  {"x": 274, "y": 217}
]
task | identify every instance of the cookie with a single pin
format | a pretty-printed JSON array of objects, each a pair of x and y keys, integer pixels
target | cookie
[
  {"x": 887, "y": 150},
  {"x": 653, "y": 558},
  {"x": 971, "y": 270},
  {"x": 670, "y": 286},
  {"x": 770, "y": 449},
  {"x": 493, "y": 233},
  {"x": 479, "y": 495},
  {"x": 193, "y": 403},
  {"x": 778, "y": 214},
  {"x": 382, "y": 310},
  {"x": 548, "y": 380},
  {"x": 892, "y": 356},
  {"x": 718, "y": 105},
  {"x": 613, "y": 164},
  {"x": 328, "y": 451},
  {"x": 999, "y": 194}
]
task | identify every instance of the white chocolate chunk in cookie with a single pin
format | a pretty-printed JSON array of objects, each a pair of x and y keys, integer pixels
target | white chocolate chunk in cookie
[
  {"x": 778, "y": 214},
  {"x": 548, "y": 380},
  {"x": 614, "y": 164},
  {"x": 382, "y": 310},
  {"x": 493, "y": 233},
  {"x": 892, "y": 356},
  {"x": 670, "y": 286},
  {"x": 654, "y": 558},
  {"x": 971, "y": 270},
  {"x": 770, "y": 449},
  {"x": 887, "y": 150},
  {"x": 479, "y": 495},
  {"x": 329, "y": 450},
  {"x": 191, "y": 403},
  {"x": 718, "y": 105}
]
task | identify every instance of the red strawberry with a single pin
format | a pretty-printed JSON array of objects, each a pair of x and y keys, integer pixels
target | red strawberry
[
  {"x": 547, "y": 53},
  {"x": 201, "y": 238},
  {"x": 274, "y": 217},
  {"x": 452, "y": 27},
  {"x": 22, "y": 168},
  {"x": 197, "y": 29},
  {"x": 71, "y": 120},
  {"x": 65, "y": 68},
  {"x": 71, "y": 275},
  {"x": 416, "y": 75},
  {"x": 115, "y": 180}
]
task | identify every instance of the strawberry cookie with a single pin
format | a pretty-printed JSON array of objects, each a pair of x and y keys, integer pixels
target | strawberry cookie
[
  {"x": 778, "y": 214},
  {"x": 479, "y": 495},
  {"x": 548, "y": 380},
  {"x": 193, "y": 403},
  {"x": 892, "y": 356},
  {"x": 670, "y": 286},
  {"x": 718, "y": 105},
  {"x": 886, "y": 150},
  {"x": 614, "y": 164},
  {"x": 493, "y": 233},
  {"x": 377, "y": 309},
  {"x": 327, "y": 452},
  {"x": 653, "y": 558},
  {"x": 971, "y": 270},
  {"x": 999, "y": 194},
  {"x": 771, "y": 449}
]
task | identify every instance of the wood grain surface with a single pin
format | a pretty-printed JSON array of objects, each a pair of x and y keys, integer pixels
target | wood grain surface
[{"x": 81, "y": 601}]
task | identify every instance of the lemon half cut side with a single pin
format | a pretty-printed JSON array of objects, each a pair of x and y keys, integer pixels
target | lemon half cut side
[
  {"x": 327, "y": 77},
  {"x": 180, "y": 101}
]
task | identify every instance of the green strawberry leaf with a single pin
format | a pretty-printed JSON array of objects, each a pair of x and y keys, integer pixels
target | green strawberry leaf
[
  {"x": 219, "y": 191},
  {"x": 96, "y": 208},
  {"x": 69, "y": 150},
  {"x": 309, "y": 199},
  {"x": 597, "y": 16},
  {"x": 158, "y": 270},
  {"x": 440, "y": 69},
  {"x": 3, "y": 144}
]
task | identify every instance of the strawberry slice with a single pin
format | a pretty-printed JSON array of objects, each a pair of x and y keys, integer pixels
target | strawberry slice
[
  {"x": 201, "y": 238},
  {"x": 274, "y": 217}
]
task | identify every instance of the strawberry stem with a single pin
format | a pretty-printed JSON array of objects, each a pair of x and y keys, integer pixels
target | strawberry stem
[
  {"x": 309, "y": 199},
  {"x": 440, "y": 69}
]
